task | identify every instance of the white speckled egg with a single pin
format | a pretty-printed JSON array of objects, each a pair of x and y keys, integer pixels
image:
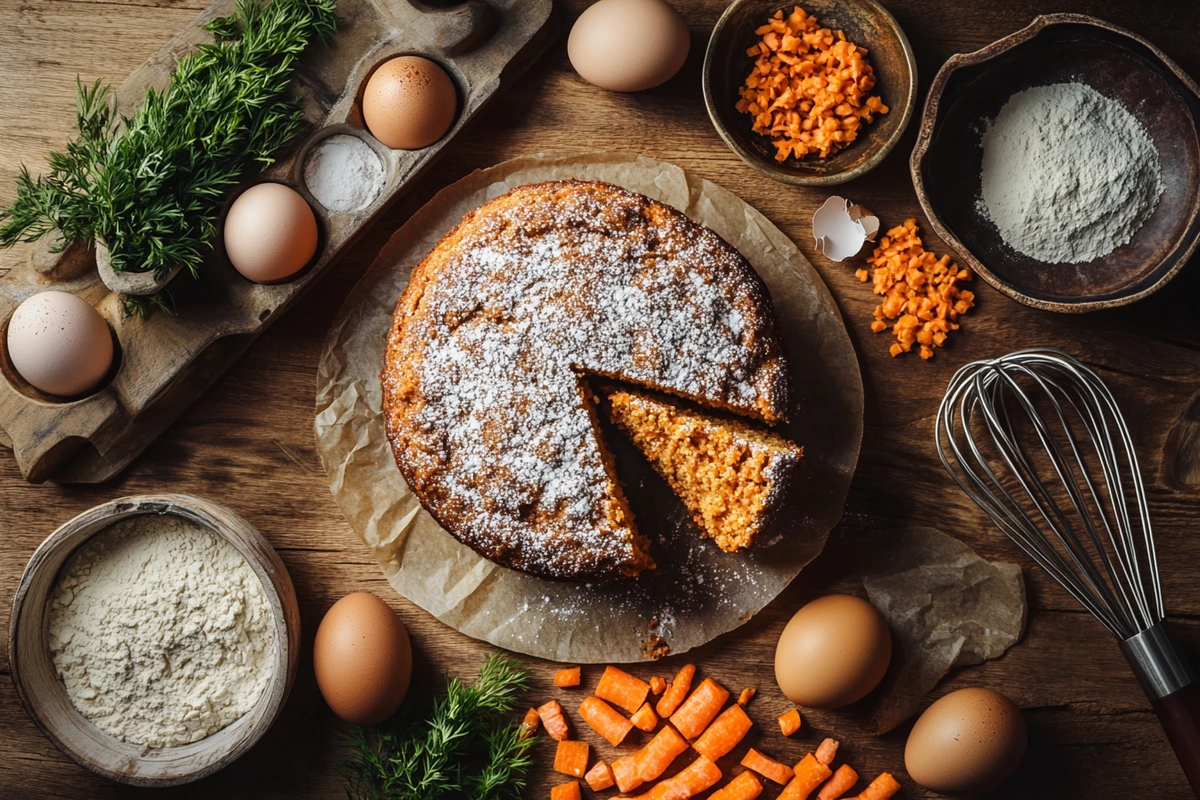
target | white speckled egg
[{"x": 59, "y": 343}]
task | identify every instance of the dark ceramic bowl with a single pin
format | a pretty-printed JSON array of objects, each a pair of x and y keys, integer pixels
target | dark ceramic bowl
[
  {"x": 867, "y": 24},
  {"x": 1057, "y": 48}
]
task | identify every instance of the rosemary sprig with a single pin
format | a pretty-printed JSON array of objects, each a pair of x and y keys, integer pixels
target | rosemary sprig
[
  {"x": 464, "y": 748},
  {"x": 151, "y": 185}
]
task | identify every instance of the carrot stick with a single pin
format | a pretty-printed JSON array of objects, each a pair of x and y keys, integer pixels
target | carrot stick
[
  {"x": 768, "y": 767},
  {"x": 622, "y": 689},
  {"x": 700, "y": 708},
  {"x": 789, "y": 722},
  {"x": 659, "y": 752},
  {"x": 569, "y": 676},
  {"x": 600, "y": 777},
  {"x": 839, "y": 784},
  {"x": 657, "y": 686},
  {"x": 626, "y": 773},
  {"x": 571, "y": 758},
  {"x": 827, "y": 751},
  {"x": 724, "y": 734},
  {"x": 645, "y": 719},
  {"x": 881, "y": 788},
  {"x": 746, "y": 695},
  {"x": 553, "y": 720},
  {"x": 809, "y": 774},
  {"x": 745, "y": 786},
  {"x": 605, "y": 720},
  {"x": 689, "y": 782},
  {"x": 529, "y": 724},
  {"x": 676, "y": 692},
  {"x": 566, "y": 791}
]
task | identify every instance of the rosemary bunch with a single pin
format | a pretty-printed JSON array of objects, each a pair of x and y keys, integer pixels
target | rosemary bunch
[
  {"x": 151, "y": 185},
  {"x": 466, "y": 747}
]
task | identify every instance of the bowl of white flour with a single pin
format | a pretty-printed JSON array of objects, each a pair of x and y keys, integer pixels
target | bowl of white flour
[
  {"x": 154, "y": 639},
  {"x": 1062, "y": 164}
]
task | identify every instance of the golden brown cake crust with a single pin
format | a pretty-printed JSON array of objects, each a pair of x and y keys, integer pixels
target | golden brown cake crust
[{"x": 481, "y": 375}]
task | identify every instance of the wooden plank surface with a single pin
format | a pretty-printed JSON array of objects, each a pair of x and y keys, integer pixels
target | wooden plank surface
[{"x": 249, "y": 441}]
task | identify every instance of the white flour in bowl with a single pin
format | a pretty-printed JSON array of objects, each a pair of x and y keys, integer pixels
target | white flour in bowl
[
  {"x": 1069, "y": 175},
  {"x": 161, "y": 631}
]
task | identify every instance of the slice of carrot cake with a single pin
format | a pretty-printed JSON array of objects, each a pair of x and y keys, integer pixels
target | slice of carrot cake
[{"x": 729, "y": 474}]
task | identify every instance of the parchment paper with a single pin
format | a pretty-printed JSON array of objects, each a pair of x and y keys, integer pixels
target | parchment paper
[
  {"x": 698, "y": 592},
  {"x": 947, "y": 608}
]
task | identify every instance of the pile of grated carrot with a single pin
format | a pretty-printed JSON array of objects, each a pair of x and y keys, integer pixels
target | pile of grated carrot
[
  {"x": 921, "y": 295},
  {"x": 810, "y": 88},
  {"x": 698, "y": 715}
]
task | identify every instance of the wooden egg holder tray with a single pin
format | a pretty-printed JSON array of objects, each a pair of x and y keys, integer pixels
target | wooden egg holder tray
[{"x": 165, "y": 362}]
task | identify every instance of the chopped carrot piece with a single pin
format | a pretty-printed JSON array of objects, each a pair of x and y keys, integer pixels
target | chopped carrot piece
[
  {"x": 645, "y": 719},
  {"x": 768, "y": 767},
  {"x": 746, "y": 695},
  {"x": 724, "y": 734},
  {"x": 569, "y": 676},
  {"x": 745, "y": 786},
  {"x": 881, "y": 788},
  {"x": 553, "y": 720},
  {"x": 605, "y": 720},
  {"x": 789, "y": 722},
  {"x": 809, "y": 773},
  {"x": 529, "y": 724},
  {"x": 676, "y": 692},
  {"x": 571, "y": 758},
  {"x": 839, "y": 784},
  {"x": 626, "y": 773},
  {"x": 657, "y": 686},
  {"x": 654, "y": 759},
  {"x": 600, "y": 777},
  {"x": 689, "y": 782},
  {"x": 622, "y": 689},
  {"x": 827, "y": 750},
  {"x": 566, "y": 791},
  {"x": 701, "y": 707}
]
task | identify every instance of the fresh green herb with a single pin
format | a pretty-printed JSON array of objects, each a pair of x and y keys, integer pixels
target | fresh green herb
[
  {"x": 152, "y": 184},
  {"x": 466, "y": 746}
]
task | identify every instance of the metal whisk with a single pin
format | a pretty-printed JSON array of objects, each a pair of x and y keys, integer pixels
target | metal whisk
[{"x": 1037, "y": 440}]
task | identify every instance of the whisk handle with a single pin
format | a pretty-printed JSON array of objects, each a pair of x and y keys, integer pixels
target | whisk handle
[{"x": 1174, "y": 692}]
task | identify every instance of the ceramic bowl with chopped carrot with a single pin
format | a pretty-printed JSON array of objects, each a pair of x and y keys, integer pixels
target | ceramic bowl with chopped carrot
[{"x": 814, "y": 94}]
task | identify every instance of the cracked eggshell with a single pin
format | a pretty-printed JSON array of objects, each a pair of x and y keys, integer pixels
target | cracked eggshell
[{"x": 841, "y": 228}]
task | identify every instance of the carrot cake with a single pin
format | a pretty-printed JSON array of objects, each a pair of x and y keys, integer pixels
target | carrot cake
[{"x": 487, "y": 412}]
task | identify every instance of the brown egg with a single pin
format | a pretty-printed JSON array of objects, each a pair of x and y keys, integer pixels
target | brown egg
[
  {"x": 833, "y": 652},
  {"x": 968, "y": 741},
  {"x": 363, "y": 659},
  {"x": 270, "y": 233},
  {"x": 409, "y": 103},
  {"x": 628, "y": 45}
]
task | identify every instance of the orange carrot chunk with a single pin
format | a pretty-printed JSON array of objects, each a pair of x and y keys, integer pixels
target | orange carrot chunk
[
  {"x": 605, "y": 720},
  {"x": 529, "y": 724},
  {"x": 789, "y": 722},
  {"x": 654, "y": 759},
  {"x": 645, "y": 719},
  {"x": 809, "y": 774},
  {"x": 600, "y": 777},
  {"x": 700, "y": 708},
  {"x": 839, "y": 784},
  {"x": 625, "y": 773},
  {"x": 745, "y": 786},
  {"x": 724, "y": 734},
  {"x": 746, "y": 695},
  {"x": 827, "y": 751},
  {"x": 881, "y": 788},
  {"x": 571, "y": 758},
  {"x": 676, "y": 692},
  {"x": 689, "y": 782},
  {"x": 768, "y": 767},
  {"x": 569, "y": 676},
  {"x": 622, "y": 689},
  {"x": 553, "y": 720},
  {"x": 566, "y": 791},
  {"x": 657, "y": 686}
]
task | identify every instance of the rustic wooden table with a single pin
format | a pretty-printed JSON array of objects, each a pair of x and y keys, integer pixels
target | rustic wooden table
[{"x": 249, "y": 442}]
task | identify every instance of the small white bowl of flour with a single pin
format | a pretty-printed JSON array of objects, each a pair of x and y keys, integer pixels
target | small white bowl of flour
[{"x": 154, "y": 638}]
